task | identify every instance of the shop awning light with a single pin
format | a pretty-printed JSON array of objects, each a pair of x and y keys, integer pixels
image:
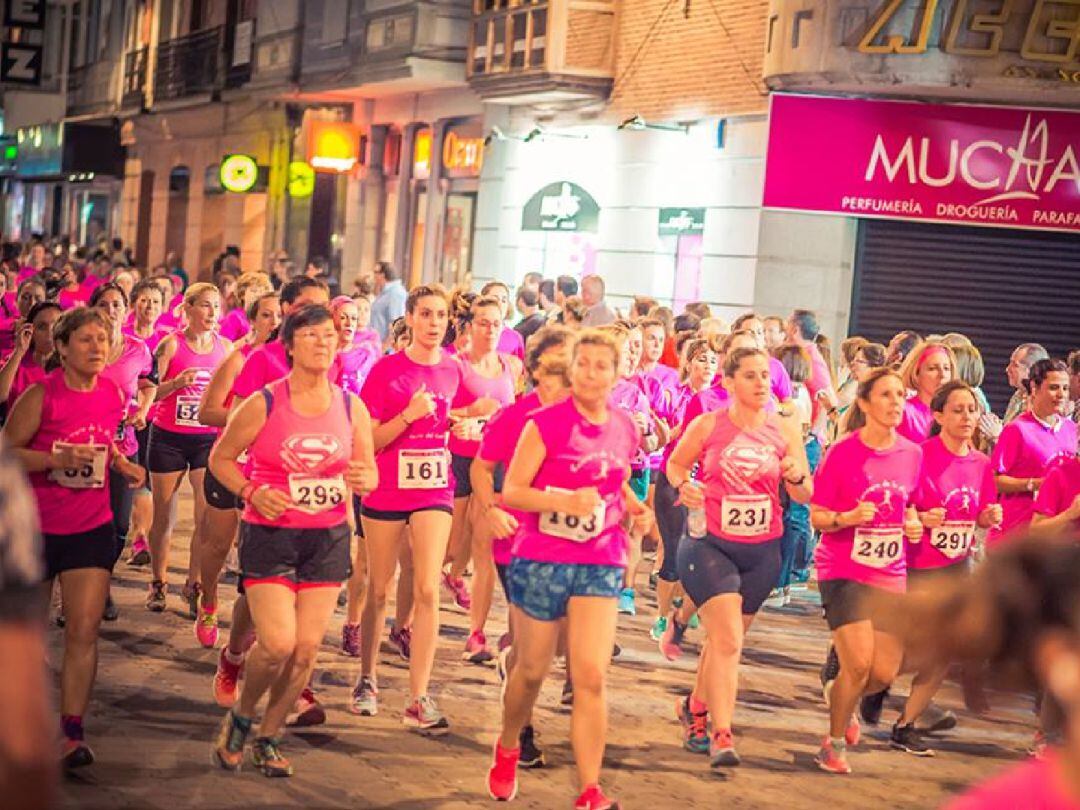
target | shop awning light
[{"x": 637, "y": 124}]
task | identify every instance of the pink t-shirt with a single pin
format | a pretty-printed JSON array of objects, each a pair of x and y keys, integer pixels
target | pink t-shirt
[
  {"x": 853, "y": 472},
  {"x": 151, "y": 342},
  {"x": 69, "y": 299},
  {"x": 581, "y": 454},
  {"x": 500, "y": 388},
  {"x": 1034, "y": 785},
  {"x": 133, "y": 364},
  {"x": 356, "y": 363},
  {"x": 235, "y": 324},
  {"x": 28, "y": 373},
  {"x": 370, "y": 337},
  {"x": 511, "y": 342},
  {"x": 964, "y": 486},
  {"x": 1059, "y": 489},
  {"x": 1028, "y": 449},
  {"x": 628, "y": 397},
  {"x": 269, "y": 363},
  {"x": 916, "y": 421},
  {"x": 740, "y": 469},
  {"x": 179, "y": 411},
  {"x": 660, "y": 385},
  {"x": 305, "y": 457},
  {"x": 77, "y": 417},
  {"x": 414, "y": 469}
]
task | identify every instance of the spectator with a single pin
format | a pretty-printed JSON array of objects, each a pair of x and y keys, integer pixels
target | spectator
[
  {"x": 317, "y": 268},
  {"x": 642, "y": 306},
  {"x": 573, "y": 311},
  {"x": 1023, "y": 358},
  {"x": 532, "y": 281},
  {"x": 565, "y": 286},
  {"x": 900, "y": 346},
  {"x": 390, "y": 295},
  {"x": 532, "y": 318},
  {"x": 1074, "y": 382},
  {"x": 802, "y": 330},
  {"x": 547, "y": 297},
  {"x": 173, "y": 268},
  {"x": 597, "y": 312},
  {"x": 701, "y": 310},
  {"x": 775, "y": 333}
]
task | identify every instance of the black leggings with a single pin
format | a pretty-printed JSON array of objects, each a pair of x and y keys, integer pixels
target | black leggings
[
  {"x": 710, "y": 567},
  {"x": 671, "y": 521},
  {"x": 121, "y": 496}
]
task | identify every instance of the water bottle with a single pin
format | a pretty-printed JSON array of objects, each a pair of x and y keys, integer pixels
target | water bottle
[{"x": 695, "y": 519}]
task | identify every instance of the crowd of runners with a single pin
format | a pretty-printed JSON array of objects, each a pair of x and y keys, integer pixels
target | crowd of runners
[{"x": 455, "y": 452}]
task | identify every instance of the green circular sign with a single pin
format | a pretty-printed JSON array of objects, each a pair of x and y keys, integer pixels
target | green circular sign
[{"x": 238, "y": 173}]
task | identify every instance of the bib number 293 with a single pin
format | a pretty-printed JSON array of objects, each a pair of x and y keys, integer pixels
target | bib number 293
[{"x": 314, "y": 495}]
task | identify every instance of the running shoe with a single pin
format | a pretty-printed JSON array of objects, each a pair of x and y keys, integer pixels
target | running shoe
[
  {"x": 658, "y": 628},
  {"x": 155, "y": 597},
  {"x": 567, "y": 698},
  {"x": 695, "y": 727},
  {"x": 206, "y": 627},
  {"x": 626, "y": 602},
  {"x": 307, "y": 711},
  {"x": 424, "y": 716},
  {"x": 505, "y": 640},
  {"x": 502, "y": 782},
  {"x": 616, "y": 650},
  {"x": 654, "y": 579},
  {"x": 694, "y": 622},
  {"x": 111, "y": 612},
  {"x": 365, "y": 698},
  {"x": 906, "y": 738},
  {"x": 228, "y": 752},
  {"x": 871, "y": 706},
  {"x": 476, "y": 649},
  {"x": 458, "y": 589},
  {"x": 267, "y": 757},
  {"x": 226, "y": 679},
  {"x": 722, "y": 751},
  {"x": 402, "y": 639},
  {"x": 830, "y": 671},
  {"x": 350, "y": 640},
  {"x": 531, "y": 756},
  {"x": 191, "y": 593},
  {"x": 1040, "y": 745},
  {"x": 935, "y": 720},
  {"x": 343, "y": 598},
  {"x": 853, "y": 732},
  {"x": 593, "y": 798},
  {"x": 140, "y": 551},
  {"x": 671, "y": 641},
  {"x": 832, "y": 759},
  {"x": 75, "y": 754},
  {"x": 775, "y": 599}
]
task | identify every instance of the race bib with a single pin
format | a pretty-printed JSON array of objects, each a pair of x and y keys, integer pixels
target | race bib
[
  {"x": 187, "y": 411},
  {"x": 313, "y": 494},
  {"x": 878, "y": 548},
  {"x": 745, "y": 515},
  {"x": 953, "y": 538},
  {"x": 423, "y": 469},
  {"x": 571, "y": 527},
  {"x": 90, "y": 475},
  {"x": 121, "y": 431}
]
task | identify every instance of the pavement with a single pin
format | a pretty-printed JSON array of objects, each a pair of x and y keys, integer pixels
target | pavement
[{"x": 152, "y": 718}]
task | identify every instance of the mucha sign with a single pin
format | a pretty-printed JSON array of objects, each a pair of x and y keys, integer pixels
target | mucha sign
[
  {"x": 1005, "y": 166},
  {"x": 561, "y": 206}
]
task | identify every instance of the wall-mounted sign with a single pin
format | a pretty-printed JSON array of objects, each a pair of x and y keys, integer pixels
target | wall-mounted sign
[
  {"x": 238, "y": 173},
  {"x": 1005, "y": 166},
  {"x": 422, "y": 154},
  {"x": 24, "y": 14},
  {"x": 462, "y": 156},
  {"x": 333, "y": 146},
  {"x": 20, "y": 63},
  {"x": 561, "y": 206},
  {"x": 676, "y": 221},
  {"x": 301, "y": 179}
]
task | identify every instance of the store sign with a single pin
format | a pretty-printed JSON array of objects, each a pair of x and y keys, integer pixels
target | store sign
[
  {"x": 561, "y": 206},
  {"x": 238, "y": 173},
  {"x": 462, "y": 156},
  {"x": 678, "y": 221},
  {"x": 21, "y": 60},
  {"x": 422, "y": 154},
  {"x": 24, "y": 14},
  {"x": 333, "y": 146},
  {"x": 39, "y": 150},
  {"x": 301, "y": 179},
  {"x": 1004, "y": 166}
]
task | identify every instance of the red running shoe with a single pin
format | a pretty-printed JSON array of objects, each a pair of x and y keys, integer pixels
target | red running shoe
[
  {"x": 502, "y": 783},
  {"x": 226, "y": 679},
  {"x": 593, "y": 798}
]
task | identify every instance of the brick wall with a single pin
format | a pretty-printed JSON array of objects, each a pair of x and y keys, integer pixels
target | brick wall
[{"x": 687, "y": 59}]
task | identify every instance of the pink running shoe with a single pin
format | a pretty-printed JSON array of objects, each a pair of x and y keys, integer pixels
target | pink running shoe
[
  {"x": 502, "y": 783},
  {"x": 476, "y": 649},
  {"x": 350, "y": 640},
  {"x": 140, "y": 551},
  {"x": 853, "y": 733},
  {"x": 206, "y": 627},
  {"x": 226, "y": 679},
  {"x": 831, "y": 759},
  {"x": 307, "y": 711},
  {"x": 402, "y": 639},
  {"x": 593, "y": 798},
  {"x": 670, "y": 642},
  {"x": 456, "y": 586}
]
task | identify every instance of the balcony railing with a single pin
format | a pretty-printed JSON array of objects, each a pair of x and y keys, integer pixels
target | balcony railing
[
  {"x": 521, "y": 49},
  {"x": 188, "y": 66},
  {"x": 133, "y": 91},
  {"x": 90, "y": 88}
]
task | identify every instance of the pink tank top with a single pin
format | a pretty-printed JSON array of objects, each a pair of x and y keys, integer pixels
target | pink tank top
[
  {"x": 179, "y": 411},
  {"x": 75, "y": 501},
  {"x": 304, "y": 456},
  {"x": 740, "y": 468},
  {"x": 235, "y": 324},
  {"x": 28, "y": 373},
  {"x": 499, "y": 388},
  {"x": 133, "y": 364}
]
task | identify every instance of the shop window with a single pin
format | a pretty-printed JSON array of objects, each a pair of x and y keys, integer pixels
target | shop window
[
  {"x": 456, "y": 260},
  {"x": 180, "y": 180}
]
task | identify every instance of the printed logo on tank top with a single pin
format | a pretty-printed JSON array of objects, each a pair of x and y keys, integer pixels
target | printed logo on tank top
[
  {"x": 311, "y": 452},
  {"x": 742, "y": 463},
  {"x": 890, "y": 498},
  {"x": 962, "y": 501},
  {"x": 596, "y": 465}
]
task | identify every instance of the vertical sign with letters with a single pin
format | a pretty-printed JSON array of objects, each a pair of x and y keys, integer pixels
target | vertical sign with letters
[{"x": 21, "y": 61}]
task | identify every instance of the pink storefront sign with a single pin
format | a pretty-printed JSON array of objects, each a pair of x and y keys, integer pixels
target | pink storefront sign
[{"x": 1001, "y": 166}]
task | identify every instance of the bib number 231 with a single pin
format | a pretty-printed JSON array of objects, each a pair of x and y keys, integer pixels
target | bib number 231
[
  {"x": 745, "y": 515},
  {"x": 423, "y": 469}
]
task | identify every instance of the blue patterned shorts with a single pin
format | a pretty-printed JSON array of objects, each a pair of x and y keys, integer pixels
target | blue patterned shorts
[{"x": 543, "y": 589}]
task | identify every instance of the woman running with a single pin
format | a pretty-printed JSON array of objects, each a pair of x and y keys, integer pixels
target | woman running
[
  {"x": 745, "y": 454},
  {"x": 955, "y": 495},
  {"x": 862, "y": 505},
  {"x": 179, "y": 443},
  {"x": 569, "y": 478},
  {"x": 310, "y": 445},
  {"x": 131, "y": 367},
  {"x": 33, "y": 348},
  {"x": 510, "y": 340},
  {"x": 251, "y": 286},
  {"x": 355, "y": 357},
  {"x": 410, "y": 395},
  {"x": 485, "y": 374},
  {"x": 1031, "y": 445},
  {"x": 30, "y": 292},
  {"x": 63, "y": 431},
  {"x": 926, "y": 368}
]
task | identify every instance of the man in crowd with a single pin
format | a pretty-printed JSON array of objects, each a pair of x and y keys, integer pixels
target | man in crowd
[
  {"x": 531, "y": 316},
  {"x": 1023, "y": 358},
  {"x": 598, "y": 313},
  {"x": 390, "y": 295}
]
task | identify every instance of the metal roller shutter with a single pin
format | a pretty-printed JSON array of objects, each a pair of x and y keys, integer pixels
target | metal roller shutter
[{"x": 999, "y": 287}]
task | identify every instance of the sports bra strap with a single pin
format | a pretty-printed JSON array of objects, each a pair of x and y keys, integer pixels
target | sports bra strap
[{"x": 268, "y": 398}]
